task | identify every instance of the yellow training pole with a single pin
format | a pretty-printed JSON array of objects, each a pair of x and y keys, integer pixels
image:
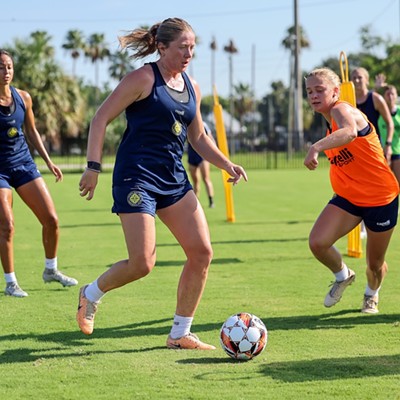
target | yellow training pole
[
  {"x": 347, "y": 93},
  {"x": 223, "y": 146}
]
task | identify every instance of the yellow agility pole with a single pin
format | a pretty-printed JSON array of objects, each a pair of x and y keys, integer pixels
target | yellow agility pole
[
  {"x": 347, "y": 93},
  {"x": 223, "y": 146}
]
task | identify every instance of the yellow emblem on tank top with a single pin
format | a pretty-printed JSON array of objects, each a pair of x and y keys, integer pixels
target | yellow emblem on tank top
[
  {"x": 176, "y": 128},
  {"x": 134, "y": 198},
  {"x": 12, "y": 132}
]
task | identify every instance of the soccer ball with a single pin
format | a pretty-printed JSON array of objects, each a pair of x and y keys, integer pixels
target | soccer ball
[{"x": 243, "y": 336}]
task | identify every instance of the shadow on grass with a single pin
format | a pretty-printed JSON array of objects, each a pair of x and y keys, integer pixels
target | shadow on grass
[
  {"x": 74, "y": 341},
  {"x": 218, "y": 261},
  {"x": 280, "y": 222},
  {"x": 328, "y": 369},
  {"x": 322, "y": 369},
  {"x": 67, "y": 342},
  {"x": 250, "y": 241},
  {"x": 90, "y": 225},
  {"x": 344, "y": 319}
]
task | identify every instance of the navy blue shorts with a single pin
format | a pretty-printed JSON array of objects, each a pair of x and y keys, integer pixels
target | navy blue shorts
[
  {"x": 377, "y": 219},
  {"x": 18, "y": 176},
  {"x": 193, "y": 157},
  {"x": 128, "y": 199}
]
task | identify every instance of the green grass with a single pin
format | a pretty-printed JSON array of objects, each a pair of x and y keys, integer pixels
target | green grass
[{"x": 261, "y": 265}]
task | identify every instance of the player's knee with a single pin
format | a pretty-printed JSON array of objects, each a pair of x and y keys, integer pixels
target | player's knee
[
  {"x": 202, "y": 256},
  {"x": 141, "y": 265},
  {"x": 316, "y": 244},
  {"x": 378, "y": 266},
  {"x": 51, "y": 222},
  {"x": 7, "y": 230}
]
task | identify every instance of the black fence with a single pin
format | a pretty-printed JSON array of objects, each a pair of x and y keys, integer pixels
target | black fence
[{"x": 266, "y": 159}]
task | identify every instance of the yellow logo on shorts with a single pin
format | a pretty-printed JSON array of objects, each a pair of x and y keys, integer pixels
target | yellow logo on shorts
[
  {"x": 12, "y": 132},
  {"x": 176, "y": 128},
  {"x": 134, "y": 199}
]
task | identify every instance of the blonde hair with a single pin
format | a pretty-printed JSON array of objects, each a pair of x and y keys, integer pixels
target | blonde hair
[
  {"x": 326, "y": 74},
  {"x": 361, "y": 71},
  {"x": 144, "y": 41}
]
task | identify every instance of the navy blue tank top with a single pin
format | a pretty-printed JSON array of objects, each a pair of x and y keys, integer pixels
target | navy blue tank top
[
  {"x": 369, "y": 110},
  {"x": 151, "y": 149},
  {"x": 13, "y": 147}
]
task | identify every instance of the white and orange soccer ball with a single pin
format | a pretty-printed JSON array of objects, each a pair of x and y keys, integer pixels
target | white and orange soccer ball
[{"x": 243, "y": 336}]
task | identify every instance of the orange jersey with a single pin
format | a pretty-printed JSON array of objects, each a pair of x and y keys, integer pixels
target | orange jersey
[{"x": 359, "y": 171}]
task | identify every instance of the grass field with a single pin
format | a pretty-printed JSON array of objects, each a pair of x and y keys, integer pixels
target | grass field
[{"x": 261, "y": 265}]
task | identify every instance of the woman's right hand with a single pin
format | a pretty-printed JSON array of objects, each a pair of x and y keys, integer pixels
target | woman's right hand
[
  {"x": 311, "y": 160},
  {"x": 88, "y": 183}
]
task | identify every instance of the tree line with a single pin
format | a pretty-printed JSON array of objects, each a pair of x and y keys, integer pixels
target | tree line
[{"x": 64, "y": 103}]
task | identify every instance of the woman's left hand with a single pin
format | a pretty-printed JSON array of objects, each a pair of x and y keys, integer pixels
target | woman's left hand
[
  {"x": 236, "y": 172},
  {"x": 55, "y": 171}
]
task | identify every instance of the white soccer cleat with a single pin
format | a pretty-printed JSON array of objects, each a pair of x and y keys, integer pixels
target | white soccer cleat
[{"x": 336, "y": 293}]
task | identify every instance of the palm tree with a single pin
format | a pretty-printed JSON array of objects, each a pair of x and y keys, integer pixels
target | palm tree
[
  {"x": 40, "y": 44},
  {"x": 121, "y": 64},
  {"x": 294, "y": 44},
  {"x": 231, "y": 49},
  {"x": 58, "y": 103},
  {"x": 96, "y": 50},
  {"x": 213, "y": 47},
  {"x": 34, "y": 53},
  {"x": 288, "y": 41},
  {"x": 74, "y": 44},
  {"x": 243, "y": 101}
]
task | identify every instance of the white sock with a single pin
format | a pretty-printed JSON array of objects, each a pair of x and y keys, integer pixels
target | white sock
[
  {"x": 10, "y": 278},
  {"x": 93, "y": 293},
  {"x": 51, "y": 263},
  {"x": 181, "y": 326},
  {"x": 371, "y": 292},
  {"x": 343, "y": 274}
]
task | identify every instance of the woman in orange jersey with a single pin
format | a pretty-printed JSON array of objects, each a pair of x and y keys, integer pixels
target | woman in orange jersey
[{"x": 364, "y": 186}]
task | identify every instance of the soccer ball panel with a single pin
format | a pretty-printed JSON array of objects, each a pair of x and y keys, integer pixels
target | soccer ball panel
[
  {"x": 237, "y": 333},
  {"x": 245, "y": 346},
  {"x": 253, "y": 334},
  {"x": 243, "y": 336},
  {"x": 231, "y": 321}
]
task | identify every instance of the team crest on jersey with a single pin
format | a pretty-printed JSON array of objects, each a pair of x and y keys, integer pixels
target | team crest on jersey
[
  {"x": 12, "y": 132},
  {"x": 134, "y": 199},
  {"x": 176, "y": 128}
]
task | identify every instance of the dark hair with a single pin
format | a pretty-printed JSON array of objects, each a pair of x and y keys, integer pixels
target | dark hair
[
  {"x": 6, "y": 53},
  {"x": 144, "y": 41}
]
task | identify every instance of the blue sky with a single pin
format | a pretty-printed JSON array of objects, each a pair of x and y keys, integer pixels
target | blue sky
[{"x": 256, "y": 27}]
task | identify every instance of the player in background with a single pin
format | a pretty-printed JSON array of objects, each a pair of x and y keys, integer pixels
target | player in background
[
  {"x": 200, "y": 170},
  {"x": 162, "y": 106},
  {"x": 373, "y": 106},
  {"x": 365, "y": 189},
  {"x": 390, "y": 95},
  {"x": 18, "y": 171}
]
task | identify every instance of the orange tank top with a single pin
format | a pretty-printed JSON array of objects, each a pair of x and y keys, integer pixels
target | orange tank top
[{"x": 359, "y": 171}]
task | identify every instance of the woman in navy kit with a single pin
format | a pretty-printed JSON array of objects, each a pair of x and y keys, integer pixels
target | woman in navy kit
[
  {"x": 162, "y": 106},
  {"x": 198, "y": 167},
  {"x": 18, "y": 171},
  {"x": 373, "y": 105}
]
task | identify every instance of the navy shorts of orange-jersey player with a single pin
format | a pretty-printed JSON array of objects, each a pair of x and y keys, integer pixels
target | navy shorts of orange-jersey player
[{"x": 378, "y": 219}]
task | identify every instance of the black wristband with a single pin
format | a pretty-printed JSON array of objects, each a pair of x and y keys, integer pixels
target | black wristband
[
  {"x": 388, "y": 143},
  {"x": 94, "y": 166}
]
